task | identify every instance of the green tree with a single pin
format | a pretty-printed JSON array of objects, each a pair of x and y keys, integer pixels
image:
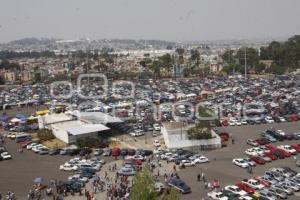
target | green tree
[
  {"x": 45, "y": 134},
  {"x": 2, "y": 80},
  {"x": 171, "y": 194},
  {"x": 143, "y": 186},
  {"x": 260, "y": 67},
  {"x": 180, "y": 51},
  {"x": 276, "y": 69}
]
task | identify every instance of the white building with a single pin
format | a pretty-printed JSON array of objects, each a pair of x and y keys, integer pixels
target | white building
[{"x": 70, "y": 127}]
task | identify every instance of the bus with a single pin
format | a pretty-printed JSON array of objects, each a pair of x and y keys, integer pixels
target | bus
[{"x": 21, "y": 137}]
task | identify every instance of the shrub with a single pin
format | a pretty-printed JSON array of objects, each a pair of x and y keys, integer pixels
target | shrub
[
  {"x": 91, "y": 142},
  {"x": 45, "y": 134},
  {"x": 201, "y": 131}
]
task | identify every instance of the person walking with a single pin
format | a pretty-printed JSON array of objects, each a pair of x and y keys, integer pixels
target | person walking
[
  {"x": 203, "y": 177},
  {"x": 199, "y": 177}
]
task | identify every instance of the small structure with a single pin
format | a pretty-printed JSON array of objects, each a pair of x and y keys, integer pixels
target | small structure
[{"x": 175, "y": 136}]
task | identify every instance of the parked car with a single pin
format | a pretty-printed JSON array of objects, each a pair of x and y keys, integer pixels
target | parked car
[
  {"x": 217, "y": 195},
  {"x": 125, "y": 171},
  {"x": 179, "y": 185},
  {"x": 240, "y": 162},
  {"x": 236, "y": 190},
  {"x": 5, "y": 156},
  {"x": 245, "y": 187},
  {"x": 54, "y": 151}
]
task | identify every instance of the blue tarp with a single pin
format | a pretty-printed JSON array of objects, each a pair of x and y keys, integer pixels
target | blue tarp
[
  {"x": 21, "y": 117},
  {"x": 3, "y": 117}
]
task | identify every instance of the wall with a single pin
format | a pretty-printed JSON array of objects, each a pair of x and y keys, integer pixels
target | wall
[
  {"x": 177, "y": 138},
  {"x": 60, "y": 134}
]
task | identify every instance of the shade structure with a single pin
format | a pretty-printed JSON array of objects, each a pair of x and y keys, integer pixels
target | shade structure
[{"x": 38, "y": 180}]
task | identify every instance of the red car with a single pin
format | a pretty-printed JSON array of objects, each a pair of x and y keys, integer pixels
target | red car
[
  {"x": 293, "y": 118},
  {"x": 115, "y": 152},
  {"x": 224, "y": 136},
  {"x": 133, "y": 162},
  {"x": 25, "y": 143},
  {"x": 225, "y": 122},
  {"x": 261, "y": 181},
  {"x": 269, "y": 146},
  {"x": 258, "y": 160},
  {"x": 296, "y": 147},
  {"x": 245, "y": 187},
  {"x": 262, "y": 141},
  {"x": 283, "y": 152},
  {"x": 271, "y": 155}
]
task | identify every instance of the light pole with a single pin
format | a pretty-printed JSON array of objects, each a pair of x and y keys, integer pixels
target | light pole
[{"x": 245, "y": 62}]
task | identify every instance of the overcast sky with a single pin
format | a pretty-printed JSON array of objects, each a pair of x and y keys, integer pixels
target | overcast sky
[{"x": 177, "y": 20}]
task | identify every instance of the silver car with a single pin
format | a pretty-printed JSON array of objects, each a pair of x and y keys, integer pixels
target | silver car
[
  {"x": 291, "y": 185},
  {"x": 287, "y": 190},
  {"x": 279, "y": 193}
]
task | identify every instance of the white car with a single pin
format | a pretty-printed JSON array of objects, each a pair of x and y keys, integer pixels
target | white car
[
  {"x": 37, "y": 148},
  {"x": 6, "y": 156},
  {"x": 264, "y": 149},
  {"x": 288, "y": 148},
  {"x": 236, "y": 190},
  {"x": 253, "y": 183},
  {"x": 281, "y": 119},
  {"x": 244, "y": 122},
  {"x": 281, "y": 132},
  {"x": 29, "y": 146},
  {"x": 269, "y": 119},
  {"x": 238, "y": 123},
  {"x": 240, "y": 162},
  {"x": 266, "y": 158},
  {"x": 68, "y": 167},
  {"x": 156, "y": 143},
  {"x": 136, "y": 133},
  {"x": 156, "y": 127},
  {"x": 232, "y": 122},
  {"x": 217, "y": 196},
  {"x": 187, "y": 163},
  {"x": 246, "y": 198},
  {"x": 200, "y": 159},
  {"x": 166, "y": 155},
  {"x": 136, "y": 157},
  {"x": 255, "y": 151},
  {"x": 250, "y": 162}
]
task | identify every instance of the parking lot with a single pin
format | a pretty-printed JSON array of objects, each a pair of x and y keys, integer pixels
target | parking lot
[
  {"x": 17, "y": 174},
  {"x": 221, "y": 167}
]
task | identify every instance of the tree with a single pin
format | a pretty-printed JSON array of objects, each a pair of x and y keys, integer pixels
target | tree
[
  {"x": 143, "y": 186},
  {"x": 45, "y": 134},
  {"x": 171, "y": 194},
  {"x": 260, "y": 67},
  {"x": 276, "y": 69},
  {"x": 180, "y": 51},
  {"x": 2, "y": 80}
]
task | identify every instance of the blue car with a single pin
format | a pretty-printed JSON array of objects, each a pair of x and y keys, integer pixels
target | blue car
[{"x": 269, "y": 137}]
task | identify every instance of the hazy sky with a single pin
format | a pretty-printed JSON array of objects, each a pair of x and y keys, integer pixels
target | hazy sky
[{"x": 180, "y": 20}]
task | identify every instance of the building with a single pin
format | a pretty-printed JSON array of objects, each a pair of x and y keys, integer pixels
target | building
[
  {"x": 268, "y": 63},
  {"x": 72, "y": 126},
  {"x": 70, "y": 131},
  {"x": 10, "y": 76},
  {"x": 25, "y": 76}
]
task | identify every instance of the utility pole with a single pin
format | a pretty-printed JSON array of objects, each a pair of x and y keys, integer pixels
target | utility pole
[{"x": 245, "y": 62}]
